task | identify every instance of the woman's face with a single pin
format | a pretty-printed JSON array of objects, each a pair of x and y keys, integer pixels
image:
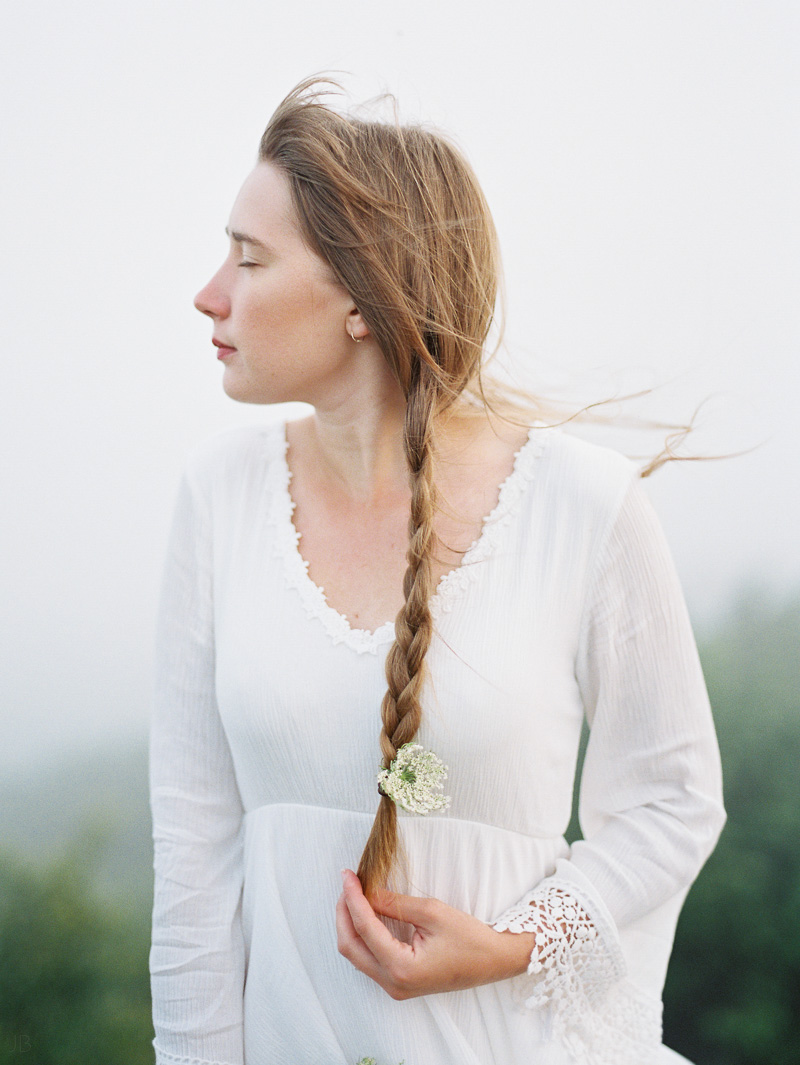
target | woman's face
[{"x": 280, "y": 318}]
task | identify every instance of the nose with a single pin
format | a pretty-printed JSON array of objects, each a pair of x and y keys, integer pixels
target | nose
[{"x": 211, "y": 299}]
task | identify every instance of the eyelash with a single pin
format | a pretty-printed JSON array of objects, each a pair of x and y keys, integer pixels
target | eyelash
[{"x": 246, "y": 262}]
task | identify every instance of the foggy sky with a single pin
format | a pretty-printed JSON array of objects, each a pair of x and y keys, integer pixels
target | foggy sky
[{"x": 641, "y": 160}]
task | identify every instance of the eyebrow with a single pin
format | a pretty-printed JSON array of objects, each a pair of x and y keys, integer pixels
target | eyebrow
[{"x": 243, "y": 238}]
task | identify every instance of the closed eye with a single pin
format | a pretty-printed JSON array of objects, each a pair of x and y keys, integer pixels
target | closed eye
[{"x": 246, "y": 262}]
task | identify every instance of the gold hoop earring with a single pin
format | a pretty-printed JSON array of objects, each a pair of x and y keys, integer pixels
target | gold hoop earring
[{"x": 356, "y": 340}]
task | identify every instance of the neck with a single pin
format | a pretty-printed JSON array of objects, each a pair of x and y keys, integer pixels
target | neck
[{"x": 356, "y": 445}]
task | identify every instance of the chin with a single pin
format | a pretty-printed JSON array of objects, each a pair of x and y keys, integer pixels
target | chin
[
  {"x": 235, "y": 388},
  {"x": 241, "y": 396},
  {"x": 244, "y": 392}
]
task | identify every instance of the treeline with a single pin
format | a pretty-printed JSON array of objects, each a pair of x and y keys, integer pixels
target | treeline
[
  {"x": 73, "y": 964},
  {"x": 74, "y": 981},
  {"x": 733, "y": 991}
]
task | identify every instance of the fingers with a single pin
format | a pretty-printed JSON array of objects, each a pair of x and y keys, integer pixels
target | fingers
[
  {"x": 369, "y": 945},
  {"x": 351, "y": 945},
  {"x": 367, "y": 926},
  {"x": 422, "y": 913},
  {"x": 450, "y": 949}
]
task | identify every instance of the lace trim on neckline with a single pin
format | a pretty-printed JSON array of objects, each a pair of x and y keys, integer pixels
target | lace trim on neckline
[{"x": 451, "y": 585}]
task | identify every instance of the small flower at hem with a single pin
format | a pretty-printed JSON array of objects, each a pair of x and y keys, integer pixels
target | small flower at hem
[
  {"x": 415, "y": 781},
  {"x": 371, "y": 1061}
]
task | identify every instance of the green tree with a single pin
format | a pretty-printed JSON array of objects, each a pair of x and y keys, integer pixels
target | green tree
[
  {"x": 733, "y": 991},
  {"x": 74, "y": 982}
]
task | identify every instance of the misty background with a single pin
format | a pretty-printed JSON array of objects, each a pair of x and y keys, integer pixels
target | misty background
[{"x": 642, "y": 161}]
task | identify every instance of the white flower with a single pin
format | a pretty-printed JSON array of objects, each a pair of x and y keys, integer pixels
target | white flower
[
  {"x": 371, "y": 1061},
  {"x": 415, "y": 780}
]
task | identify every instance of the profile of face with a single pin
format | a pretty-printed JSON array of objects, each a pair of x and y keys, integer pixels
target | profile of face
[{"x": 283, "y": 325}]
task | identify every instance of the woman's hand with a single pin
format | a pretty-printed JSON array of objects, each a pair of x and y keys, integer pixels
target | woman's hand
[{"x": 449, "y": 951}]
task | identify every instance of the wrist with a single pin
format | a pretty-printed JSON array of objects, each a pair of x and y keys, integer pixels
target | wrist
[{"x": 514, "y": 952}]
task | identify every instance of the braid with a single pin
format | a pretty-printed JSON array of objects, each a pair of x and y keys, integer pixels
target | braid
[
  {"x": 401, "y": 710},
  {"x": 397, "y": 214}
]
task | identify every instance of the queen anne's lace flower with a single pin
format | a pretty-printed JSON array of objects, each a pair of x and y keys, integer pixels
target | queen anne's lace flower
[
  {"x": 371, "y": 1061},
  {"x": 415, "y": 780}
]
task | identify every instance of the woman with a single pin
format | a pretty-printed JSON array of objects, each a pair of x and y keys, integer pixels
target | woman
[{"x": 530, "y": 587}]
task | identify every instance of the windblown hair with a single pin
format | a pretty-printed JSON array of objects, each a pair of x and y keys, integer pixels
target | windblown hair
[{"x": 398, "y": 215}]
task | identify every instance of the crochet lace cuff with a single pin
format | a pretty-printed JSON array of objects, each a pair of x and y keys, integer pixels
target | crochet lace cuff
[{"x": 577, "y": 972}]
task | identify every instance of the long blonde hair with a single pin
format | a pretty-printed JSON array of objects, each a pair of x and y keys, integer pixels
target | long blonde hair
[{"x": 398, "y": 215}]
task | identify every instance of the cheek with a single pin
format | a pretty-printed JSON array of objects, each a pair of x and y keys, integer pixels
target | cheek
[
  {"x": 273, "y": 309},
  {"x": 326, "y": 308},
  {"x": 258, "y": 322},
  {"x": 289, "y": 313}
]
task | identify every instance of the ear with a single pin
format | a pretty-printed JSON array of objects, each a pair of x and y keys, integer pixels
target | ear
[{"x": 356, "y": 326}]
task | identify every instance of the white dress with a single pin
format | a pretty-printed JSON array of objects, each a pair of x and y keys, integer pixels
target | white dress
[{"x": 264, "y": 753}]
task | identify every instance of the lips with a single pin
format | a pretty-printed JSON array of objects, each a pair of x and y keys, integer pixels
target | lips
[{"x": 224, "y": 349}]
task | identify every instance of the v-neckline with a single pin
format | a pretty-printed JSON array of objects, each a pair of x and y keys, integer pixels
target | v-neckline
[{"x": 450, "y": 585}]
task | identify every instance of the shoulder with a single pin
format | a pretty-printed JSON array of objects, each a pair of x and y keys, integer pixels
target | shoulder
[
  {"x": 233, "y": 457},
  {"x": 580, "y": 490},
  {"x": 577, "y": 476},
  {"x": 605, "y": 507}
]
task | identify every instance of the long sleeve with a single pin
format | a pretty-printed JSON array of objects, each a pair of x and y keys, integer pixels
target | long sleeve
[
  {"x": 197, "y": 959},
  {"x": 651, "y": 790},
  {"x": 650, "y": 797}
]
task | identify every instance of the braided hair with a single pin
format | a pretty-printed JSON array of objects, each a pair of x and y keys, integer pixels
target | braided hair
[{"x": 397, "y": 214}]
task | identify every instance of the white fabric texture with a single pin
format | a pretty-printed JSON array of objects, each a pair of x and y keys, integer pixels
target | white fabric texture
[
  {"x": 577, "y": 970},
  {"x": 264, "y": 752}
]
